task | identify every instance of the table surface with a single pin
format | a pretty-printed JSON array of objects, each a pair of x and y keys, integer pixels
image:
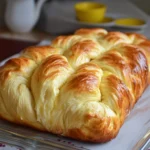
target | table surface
[
  {"x": 34, "y": 36},
  {"x": 9, "y": 47},
  {"x": 8, "y": 147}
]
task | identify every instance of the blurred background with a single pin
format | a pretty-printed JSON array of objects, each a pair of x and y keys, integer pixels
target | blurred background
[
  {"x": 58, "y": 16},
  {"x": 28, "y": 22}
]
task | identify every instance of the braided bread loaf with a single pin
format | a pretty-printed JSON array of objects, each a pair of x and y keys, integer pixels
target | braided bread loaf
[{"x": 82, "y": 86}]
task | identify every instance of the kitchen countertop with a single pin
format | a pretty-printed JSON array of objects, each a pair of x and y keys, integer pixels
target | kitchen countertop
[{"x": 33, "y": 36}]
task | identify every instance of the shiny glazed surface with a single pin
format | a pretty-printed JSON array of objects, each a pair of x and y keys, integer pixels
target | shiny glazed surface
[{"x": 82, "y": 86}]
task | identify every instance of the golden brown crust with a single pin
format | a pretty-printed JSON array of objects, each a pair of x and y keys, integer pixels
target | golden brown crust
[
  {"x": 95, "y": 31},
  {"x": 14, "y": 65},
  {"x": 38, "y": 53},
  {"x": 145, "y": 48},
  {"x": 98, "y": 131},
  {"x": 82, "y": 86}
]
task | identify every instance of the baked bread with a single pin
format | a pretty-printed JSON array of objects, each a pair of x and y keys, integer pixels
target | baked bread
[{"x": 82, "y": 86}]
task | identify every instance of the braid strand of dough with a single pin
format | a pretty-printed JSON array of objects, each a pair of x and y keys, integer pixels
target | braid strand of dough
[{"x": 83, "y": 86}]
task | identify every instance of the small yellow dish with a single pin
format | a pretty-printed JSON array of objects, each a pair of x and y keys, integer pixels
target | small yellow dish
[
  {"x": 106, "y": 20},
  {"x": 129, "y": 22},
  {"x": 90, "y": 12}
]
